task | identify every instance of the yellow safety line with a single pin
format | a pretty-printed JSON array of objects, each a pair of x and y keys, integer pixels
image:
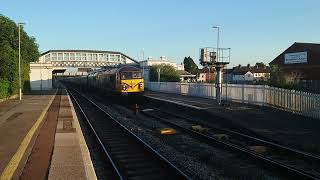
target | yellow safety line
[{"x": 15, "y": 160}]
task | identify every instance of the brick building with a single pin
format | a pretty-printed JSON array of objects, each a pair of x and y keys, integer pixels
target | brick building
[
  {"x": 300, "y": 64},
  {"x": 206, "y": 75}
]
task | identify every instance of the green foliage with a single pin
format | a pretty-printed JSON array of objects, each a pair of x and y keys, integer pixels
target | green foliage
[
  {"x": 276, "y": 76},
  {"x": 4, "y": 88},
  {"x": 9, "y": 66},
  {"x": 167, "y": 73},
  {"x": 277, "y": 79},
  {"x": 190, "y": 66},
  {"x": 9, "y": 44}
]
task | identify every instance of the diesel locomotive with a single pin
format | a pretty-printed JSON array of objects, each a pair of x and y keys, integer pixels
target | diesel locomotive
[{"x": 121, "y": 80}]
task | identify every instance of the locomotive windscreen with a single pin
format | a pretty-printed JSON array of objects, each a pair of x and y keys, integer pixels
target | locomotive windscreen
[{"x": 131, "y": 75}]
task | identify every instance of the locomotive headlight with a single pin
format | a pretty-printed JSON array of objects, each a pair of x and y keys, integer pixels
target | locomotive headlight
[
  {"x": 124, "y": 87},
  {"x": 140, "y": 85}
]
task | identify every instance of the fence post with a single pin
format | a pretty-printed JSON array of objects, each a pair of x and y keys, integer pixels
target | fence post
[
  {"x": 303, "y": 102},
  {"x": 283, "y": 99},
  {"x": 213, "y": 90},
  {"x": 279, "y": 97},
  {"x": 296, "y": 101},
  {"x": 267, "y": 90},
  {"x": 274, "y": 97},
  {"x": 310, "y": 101},
  {"x": 306, "y": 101},
  {"x": 289, "y": 100},
  {"x": 242, "y": 93},
  {"x": 263, "y": 94},
  {"x": 300, "y": 102}
]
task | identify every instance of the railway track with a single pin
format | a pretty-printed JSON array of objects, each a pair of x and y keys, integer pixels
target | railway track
[
  {"x": 291, "y": 162},
  {"x": 130, "y": 157}
]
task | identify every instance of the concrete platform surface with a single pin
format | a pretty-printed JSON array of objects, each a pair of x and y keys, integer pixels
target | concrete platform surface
[
  {"x": 71, "y": 157},
  {"x": 19, "y": 121}
]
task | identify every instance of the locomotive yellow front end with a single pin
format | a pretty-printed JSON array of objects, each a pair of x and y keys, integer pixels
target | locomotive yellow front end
[
  {"x": 132, "y": 86},
  {"x": 131, "y": 81}
]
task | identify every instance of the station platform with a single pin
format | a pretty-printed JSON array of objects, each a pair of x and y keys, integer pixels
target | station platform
[
  {"x": 40, "y": 138},
  {"x": 275, "y": 124}
]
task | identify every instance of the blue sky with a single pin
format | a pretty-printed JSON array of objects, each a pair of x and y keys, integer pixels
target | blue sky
[{"x": 254, "y": 30}]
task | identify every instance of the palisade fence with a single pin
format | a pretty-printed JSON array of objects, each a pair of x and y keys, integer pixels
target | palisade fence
[{"x": 303, "y": 103}]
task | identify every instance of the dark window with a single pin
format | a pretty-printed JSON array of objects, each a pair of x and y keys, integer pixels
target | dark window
[{"x": 131, "y": 75}]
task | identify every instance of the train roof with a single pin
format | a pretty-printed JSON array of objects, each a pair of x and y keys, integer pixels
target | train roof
[
  {"x": 128, "y": 68},
  {"x": 114, "y": 69}
]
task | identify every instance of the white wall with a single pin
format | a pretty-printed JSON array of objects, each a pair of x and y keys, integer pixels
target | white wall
[
  {"x": 41, "y": 76},
  {"x": 246, "y": 77}
]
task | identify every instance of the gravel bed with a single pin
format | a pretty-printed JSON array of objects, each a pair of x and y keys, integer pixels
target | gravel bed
[
  {"x": 282, "y": 127},
  {"x": 196, "y": 159}
]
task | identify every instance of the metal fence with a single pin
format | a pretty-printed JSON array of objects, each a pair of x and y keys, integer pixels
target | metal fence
[{"x": 289, "y": 100}]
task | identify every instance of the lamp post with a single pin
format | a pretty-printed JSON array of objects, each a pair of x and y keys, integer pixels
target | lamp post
[
  {"x": 159, "y": 73},
  {"x": 142, "y": 51},
  {"x": 218, "y": 69},
  {"x": 40, "y": 76},
  {"x": 20, "y": 92},
  {"x": 229, "y": 49}
]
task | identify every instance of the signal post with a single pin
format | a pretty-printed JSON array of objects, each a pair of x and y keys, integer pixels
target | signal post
[{"x": 209, "y": 58}]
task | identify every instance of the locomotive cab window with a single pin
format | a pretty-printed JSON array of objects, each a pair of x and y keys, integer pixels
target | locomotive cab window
[{"x": 131, "y": 75}]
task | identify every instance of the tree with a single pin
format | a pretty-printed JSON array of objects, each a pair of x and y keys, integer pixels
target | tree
[
  {"x": 9, "y": 63},
  {"x": 190, "y": 66},
  {"x": 167, "y": 73},
  {"x": 9, "y": 44},
  {"x": 278, "y": 79}
]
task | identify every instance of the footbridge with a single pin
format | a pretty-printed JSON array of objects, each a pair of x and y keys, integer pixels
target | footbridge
[{"x": 53, "y": 63}]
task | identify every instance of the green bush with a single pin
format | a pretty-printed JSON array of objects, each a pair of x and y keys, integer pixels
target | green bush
[
  {"x": 4, "y": 88},
  {"x": 167, "y": 73}
]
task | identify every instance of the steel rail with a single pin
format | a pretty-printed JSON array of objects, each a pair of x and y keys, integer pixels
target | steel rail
[
  {"x": 295, "y": 151},
  {"x": 178, "y": 171},
  {"x": 209, "y": 139},
  {"x": 97, "y": 137}
]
